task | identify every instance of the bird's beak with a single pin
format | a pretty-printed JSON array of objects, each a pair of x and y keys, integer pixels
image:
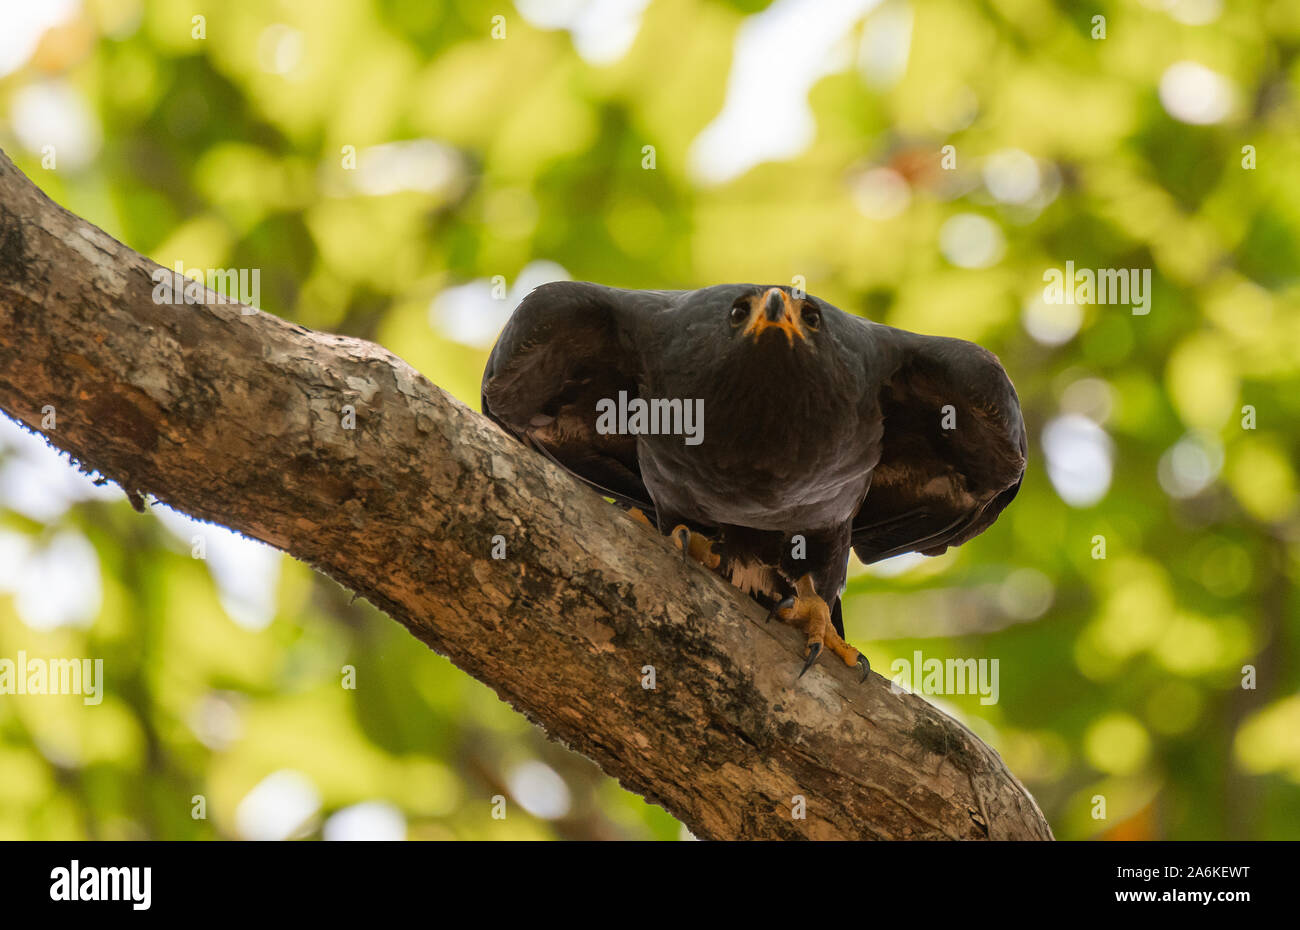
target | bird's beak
[{"x": 775, "y": 311}]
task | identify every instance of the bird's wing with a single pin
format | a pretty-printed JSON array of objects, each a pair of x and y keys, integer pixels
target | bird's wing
[
  {"x": 568, "y": 345},
  {"x": 953, "y": 449}
]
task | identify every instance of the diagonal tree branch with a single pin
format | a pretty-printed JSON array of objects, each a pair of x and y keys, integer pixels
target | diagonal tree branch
[{"x": 238, "y": 418}]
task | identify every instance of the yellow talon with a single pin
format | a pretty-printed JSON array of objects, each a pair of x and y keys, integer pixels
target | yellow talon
[
  {"x": 808, "y": 612},
  {"x": 636, "y": 514},
  {"x": 697, "y": 547}
]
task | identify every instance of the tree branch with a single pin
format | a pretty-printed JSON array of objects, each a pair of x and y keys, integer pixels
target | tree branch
[{"x": 237, "y": 418}]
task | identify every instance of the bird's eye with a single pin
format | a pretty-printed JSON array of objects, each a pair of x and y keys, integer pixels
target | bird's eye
[
  {"x": 740, "y": 312},
  {"x": 812, "y": 317}
]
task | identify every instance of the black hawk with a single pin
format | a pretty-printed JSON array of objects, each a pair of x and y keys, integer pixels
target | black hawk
[{"x": 821, "y": 431}]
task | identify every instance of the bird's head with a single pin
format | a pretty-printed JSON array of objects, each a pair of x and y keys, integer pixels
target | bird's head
[{"x": 774, "y": 313}]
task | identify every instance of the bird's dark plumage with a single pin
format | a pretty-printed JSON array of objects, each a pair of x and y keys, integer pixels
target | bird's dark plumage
[{"x": 818, "y": 426}]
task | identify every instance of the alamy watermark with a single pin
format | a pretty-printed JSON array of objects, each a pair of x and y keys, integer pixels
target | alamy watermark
[
  {"x": 656, "y": 417},
  {"x": 208, "y": 286},
  {"x": 1124, "y": 286},
  {"x": 103, "y": 883},
  {"x": 920, "y": 675},
  {"x": 24, "y": 676}
]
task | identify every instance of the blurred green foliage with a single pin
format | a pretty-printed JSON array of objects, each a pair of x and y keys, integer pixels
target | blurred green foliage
[{"x": 1119, "y": 677}]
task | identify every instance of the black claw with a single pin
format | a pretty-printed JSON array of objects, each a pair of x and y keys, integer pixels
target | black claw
[
  {"x": 683, "y": 536},
  {"x": 864, "y": 665},
  {"x": 813, "y": 652},
  {"x": 780, "y": 605}
]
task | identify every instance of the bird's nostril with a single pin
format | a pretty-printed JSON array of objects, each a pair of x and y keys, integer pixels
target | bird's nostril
[{"x": 775, "y": 306}]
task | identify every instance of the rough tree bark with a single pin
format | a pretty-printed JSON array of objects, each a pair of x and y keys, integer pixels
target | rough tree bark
[{"x": 236, "y": 418}]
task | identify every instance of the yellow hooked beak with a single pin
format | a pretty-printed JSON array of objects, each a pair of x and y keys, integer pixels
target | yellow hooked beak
[{"x": 775, "y": 311}]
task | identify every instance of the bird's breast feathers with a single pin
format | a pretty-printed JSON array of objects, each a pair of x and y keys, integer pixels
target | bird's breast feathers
[{"x": 786, "y": 462}]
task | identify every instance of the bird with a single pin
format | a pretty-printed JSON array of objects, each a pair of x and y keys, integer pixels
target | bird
[{"x": 766, "y": 431}]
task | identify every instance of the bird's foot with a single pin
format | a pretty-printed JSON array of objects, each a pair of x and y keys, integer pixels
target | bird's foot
[
  {"x": 807, "y": 611},
  {"x": 694, "y": 546},
  {"x": 639, "y": 516}
]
